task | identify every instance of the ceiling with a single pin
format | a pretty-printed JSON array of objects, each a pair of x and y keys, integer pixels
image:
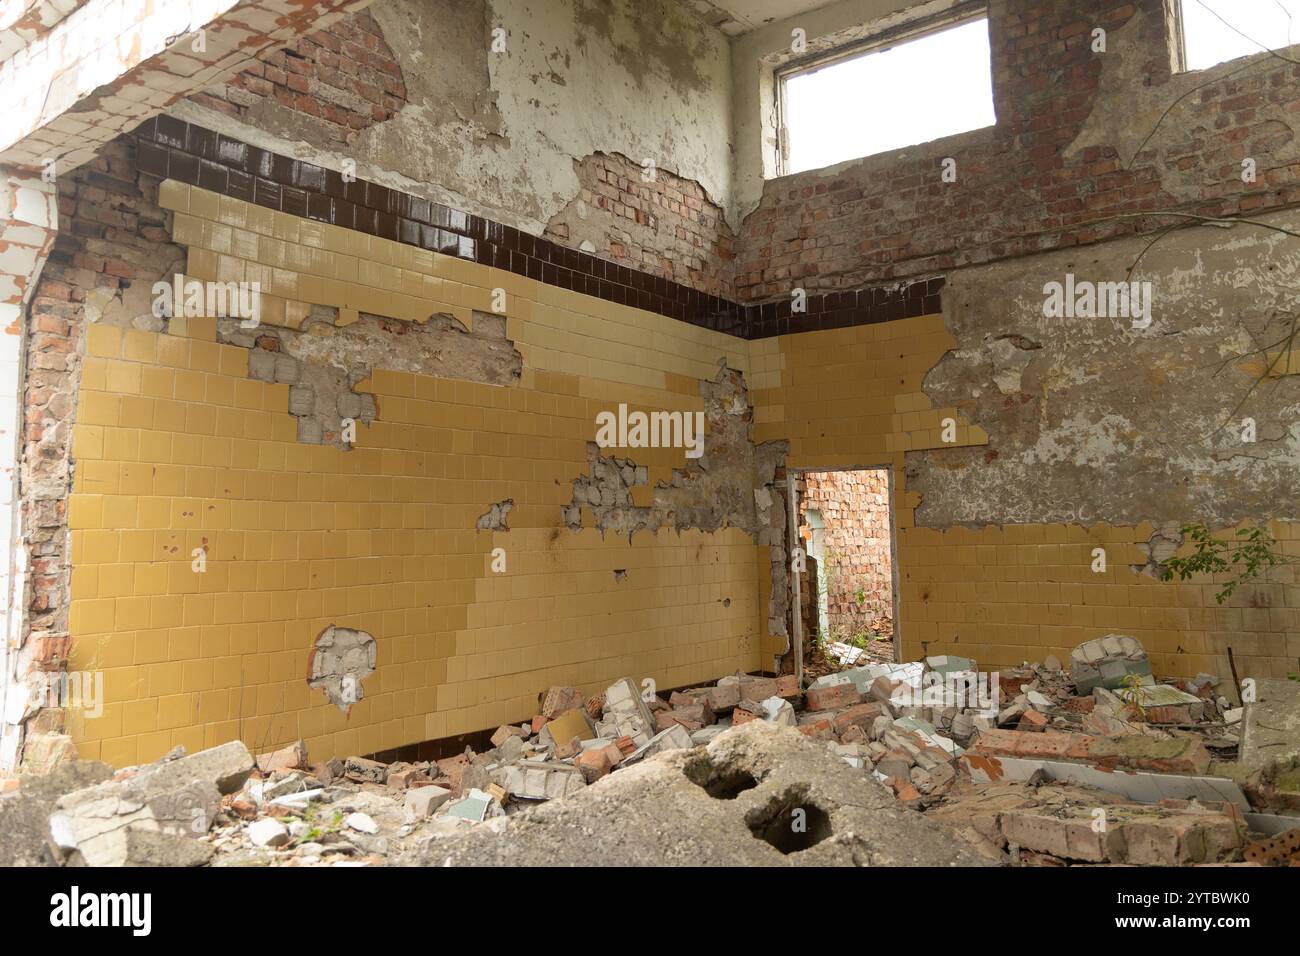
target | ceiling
[{"x": 734, "y": 17}]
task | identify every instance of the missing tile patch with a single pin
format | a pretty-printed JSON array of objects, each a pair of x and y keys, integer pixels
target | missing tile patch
[
  {"x": 342, "y": 659},
  {"x": 494, "y": 519},
  {"x": 325, "y": 361}
]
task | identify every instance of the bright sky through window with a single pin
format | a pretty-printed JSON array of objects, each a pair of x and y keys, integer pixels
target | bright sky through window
[
  {"x": 1259, "y": 25},
  {"x": 934, "y": 86}
]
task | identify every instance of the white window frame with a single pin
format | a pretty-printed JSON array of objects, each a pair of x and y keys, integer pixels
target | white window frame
[{"x": 956, "y": 16}]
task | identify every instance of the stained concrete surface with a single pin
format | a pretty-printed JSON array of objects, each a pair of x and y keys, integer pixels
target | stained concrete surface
[
  {"x": 25, "y": 813},
  {"x": 1271, "y": 732},
  {"x": 732, "y": 803},
  {"x": 1091, "y": 420}
]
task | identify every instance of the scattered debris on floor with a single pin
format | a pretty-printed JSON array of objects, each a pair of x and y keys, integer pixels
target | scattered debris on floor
[{"x": 1024, "y": 764}]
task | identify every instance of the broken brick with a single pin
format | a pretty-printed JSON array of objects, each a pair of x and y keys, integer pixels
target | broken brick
[
  {"x": 1032, "y": 721},
  {"x": 832, "y": 697}
]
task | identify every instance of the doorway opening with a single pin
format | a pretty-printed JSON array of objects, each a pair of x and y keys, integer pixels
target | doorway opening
[{"x": 847, "y": 590}]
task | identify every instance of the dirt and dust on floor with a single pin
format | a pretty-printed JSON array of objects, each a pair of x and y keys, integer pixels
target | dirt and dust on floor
[{"x": 1094, "y": 761}]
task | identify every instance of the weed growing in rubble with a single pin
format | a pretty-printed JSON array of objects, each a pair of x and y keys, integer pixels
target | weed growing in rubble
[
  {"x": 1130, "y": 693},
  {"x": 317, "y": 828},
  {"x": 1250, "y": 554}
]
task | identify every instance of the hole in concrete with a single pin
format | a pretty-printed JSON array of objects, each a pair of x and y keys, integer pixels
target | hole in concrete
[
  {"x": 790, "y": 823},
  {"x": 342, "y": 659},
  {"x": 721, "y": 783},
  {"x": 620, "y": 574}
]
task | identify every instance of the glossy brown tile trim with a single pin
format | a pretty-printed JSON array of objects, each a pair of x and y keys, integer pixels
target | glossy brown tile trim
[{"x": 171, "y": 148}]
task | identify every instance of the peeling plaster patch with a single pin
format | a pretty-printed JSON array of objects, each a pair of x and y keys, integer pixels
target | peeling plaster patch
[
  {"x": 494, "y": 519},
  {"x": 1159, "y": 548},
  {"x": 1125, "y": 79},
  {"x": 324, "y": 362},
  {"x": 341, "y": 660},
  {"x": 1083, "y": 441},
  {"x": 1010, "y": 355},
  {"x": 644, "y": 46},
  {"x": 1105, "y": 423},
  {"x": 479, "y": 135},
  {"x": 607, "y": 491},
  {"x": 709, "y": 493}
]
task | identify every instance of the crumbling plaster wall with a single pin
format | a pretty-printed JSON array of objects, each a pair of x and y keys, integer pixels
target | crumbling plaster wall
[
  {"x": 499, "y": 134},
  {"x": 709, "y": 493},
  {"x": 1091, "y": 420}
]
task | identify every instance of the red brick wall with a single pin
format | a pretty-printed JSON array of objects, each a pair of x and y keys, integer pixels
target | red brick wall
[
  {"x": 110, "y": 249},
  {"x": 854, "y": 506},
  {"x": 1017, "y": 192},
  {"x": 667, "y": 227},
  {"x": 344, "y": 75}
]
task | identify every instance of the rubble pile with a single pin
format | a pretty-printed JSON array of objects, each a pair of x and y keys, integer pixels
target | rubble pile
[
  {"x": 1094, "y": 762},
  {"x": 1090, "y": 762}
]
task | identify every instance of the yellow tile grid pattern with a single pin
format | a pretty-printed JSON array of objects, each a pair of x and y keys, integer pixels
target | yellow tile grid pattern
[
  {"x": 1015, "y": 593},
  {"x": 179, "y": 454},
  {"x": 1002, "y": 594},
  {"x": 298, "y": 263},
  {"x": 852, "y": 397}
]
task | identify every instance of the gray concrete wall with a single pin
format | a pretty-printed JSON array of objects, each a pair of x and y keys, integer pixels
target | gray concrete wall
[{"x": 1092, "y": 420}]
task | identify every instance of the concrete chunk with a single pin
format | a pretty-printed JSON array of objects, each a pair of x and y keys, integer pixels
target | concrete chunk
[
  {"x": 178, "y": 796},
  {"x": 421, "y": 802},
  {"x": 1106, "y": 661},
  {"x": 268, "y": 832},
  {"x": 632, "y": 717}
]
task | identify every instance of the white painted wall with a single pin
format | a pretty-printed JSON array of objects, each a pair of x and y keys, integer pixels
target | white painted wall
[{"x": 497, "y": 133}]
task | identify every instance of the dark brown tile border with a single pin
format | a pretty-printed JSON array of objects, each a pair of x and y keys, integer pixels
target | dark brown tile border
[{"x": 171, "y": 148}]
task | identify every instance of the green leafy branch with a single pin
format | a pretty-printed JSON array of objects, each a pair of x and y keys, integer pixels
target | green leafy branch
[{"x": 1248, "y": 555}]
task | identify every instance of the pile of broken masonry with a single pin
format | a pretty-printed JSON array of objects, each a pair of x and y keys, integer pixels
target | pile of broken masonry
[{"x": 1041, "y": 765}]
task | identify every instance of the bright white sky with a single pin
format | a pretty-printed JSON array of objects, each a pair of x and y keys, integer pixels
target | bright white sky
[
  {"x": 942, "y": 83},
  {"x": 935, "y": 86},
  {"x": 1273, "y": 23}
]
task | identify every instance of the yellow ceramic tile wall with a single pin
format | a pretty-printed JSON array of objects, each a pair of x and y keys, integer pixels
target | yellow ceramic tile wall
[
  {"x": 1002, "y": 595},
  {"x": 852, "y": 398},
  {"x": 179, "y": 455},
  {"x": 177, "y": 451},
  {"x": 298, "y": 261}
]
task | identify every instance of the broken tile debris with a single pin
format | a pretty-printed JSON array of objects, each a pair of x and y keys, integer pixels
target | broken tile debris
[{"x": 1020, "y": 763}]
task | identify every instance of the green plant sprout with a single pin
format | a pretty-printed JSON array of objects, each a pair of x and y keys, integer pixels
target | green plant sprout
[
  {"x": 1250, "y": 553},
  {"x": 1130, "y": 692}
]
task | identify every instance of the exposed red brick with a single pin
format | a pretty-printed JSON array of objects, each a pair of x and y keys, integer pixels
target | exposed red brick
[
  {"x": 667, "y": 226},
  {"x": 348, "y": 90},
  {"x": 1019, "y": 190}
]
